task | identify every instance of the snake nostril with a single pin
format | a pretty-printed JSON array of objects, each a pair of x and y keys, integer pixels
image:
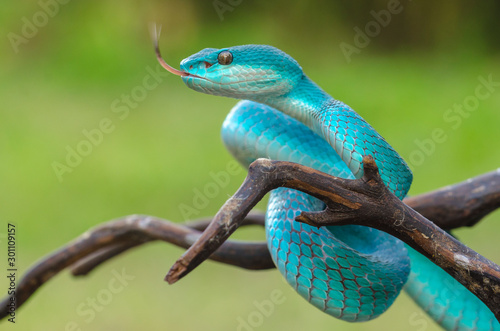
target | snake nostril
[{"x": 191, "y": 67}]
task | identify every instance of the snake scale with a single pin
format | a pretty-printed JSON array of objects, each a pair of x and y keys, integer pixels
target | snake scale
[{"x": 351, "y": 272}]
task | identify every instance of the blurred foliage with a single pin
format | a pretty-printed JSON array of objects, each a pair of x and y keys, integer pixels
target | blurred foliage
[{"x": 67, "y": 76}]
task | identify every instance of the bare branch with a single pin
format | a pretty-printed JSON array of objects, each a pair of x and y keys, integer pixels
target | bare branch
[
  {"x": 103, "y": 242},
  {"x": 93, "y": 260},
  {"x": 348, "y": 202},
  {"x": 87, "y": 264},
  {"x": 478, "y": 197},
  {"x": 462, "y": 204}
]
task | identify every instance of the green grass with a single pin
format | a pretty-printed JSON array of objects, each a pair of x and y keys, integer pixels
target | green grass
[{"x": 166, "y": 148}]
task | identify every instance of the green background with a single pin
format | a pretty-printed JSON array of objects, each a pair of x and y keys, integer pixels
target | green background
[{"x": 66, "y": 75}]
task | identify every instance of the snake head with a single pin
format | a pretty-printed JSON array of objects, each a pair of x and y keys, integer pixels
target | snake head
[
  {"x": 251, "y": 72},
  {"x": 244, "y": 72}
]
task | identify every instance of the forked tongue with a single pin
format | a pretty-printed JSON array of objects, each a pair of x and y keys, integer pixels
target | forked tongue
[{"x": 155, "y": 35}]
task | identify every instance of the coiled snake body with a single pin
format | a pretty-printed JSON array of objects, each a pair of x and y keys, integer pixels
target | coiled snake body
[{"x": 351, "y": 272}]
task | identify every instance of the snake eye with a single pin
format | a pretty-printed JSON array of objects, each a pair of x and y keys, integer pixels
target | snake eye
[{"x": 225, "y": 57}]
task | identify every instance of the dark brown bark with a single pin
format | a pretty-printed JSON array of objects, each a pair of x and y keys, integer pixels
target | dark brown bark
[
  {"x": 114, "y": 237},
  {"x": 462, "y": 204},
  {"x": 348, "y": 202}
]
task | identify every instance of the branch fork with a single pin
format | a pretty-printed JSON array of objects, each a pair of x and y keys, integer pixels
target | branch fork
[{"x": 364, "y": 201}]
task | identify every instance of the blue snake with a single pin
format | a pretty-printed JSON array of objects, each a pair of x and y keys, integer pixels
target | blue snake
[{"x": 351, "y": 272}]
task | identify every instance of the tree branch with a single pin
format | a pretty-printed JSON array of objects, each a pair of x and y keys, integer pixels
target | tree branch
[
  {"x": 348, "y": 202},
  {"x": 105, "y": 241},
  {"x": 479, "y": 196},
  {"x": 462, "y": 204},
  {"x": 87, "y": 264}
]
